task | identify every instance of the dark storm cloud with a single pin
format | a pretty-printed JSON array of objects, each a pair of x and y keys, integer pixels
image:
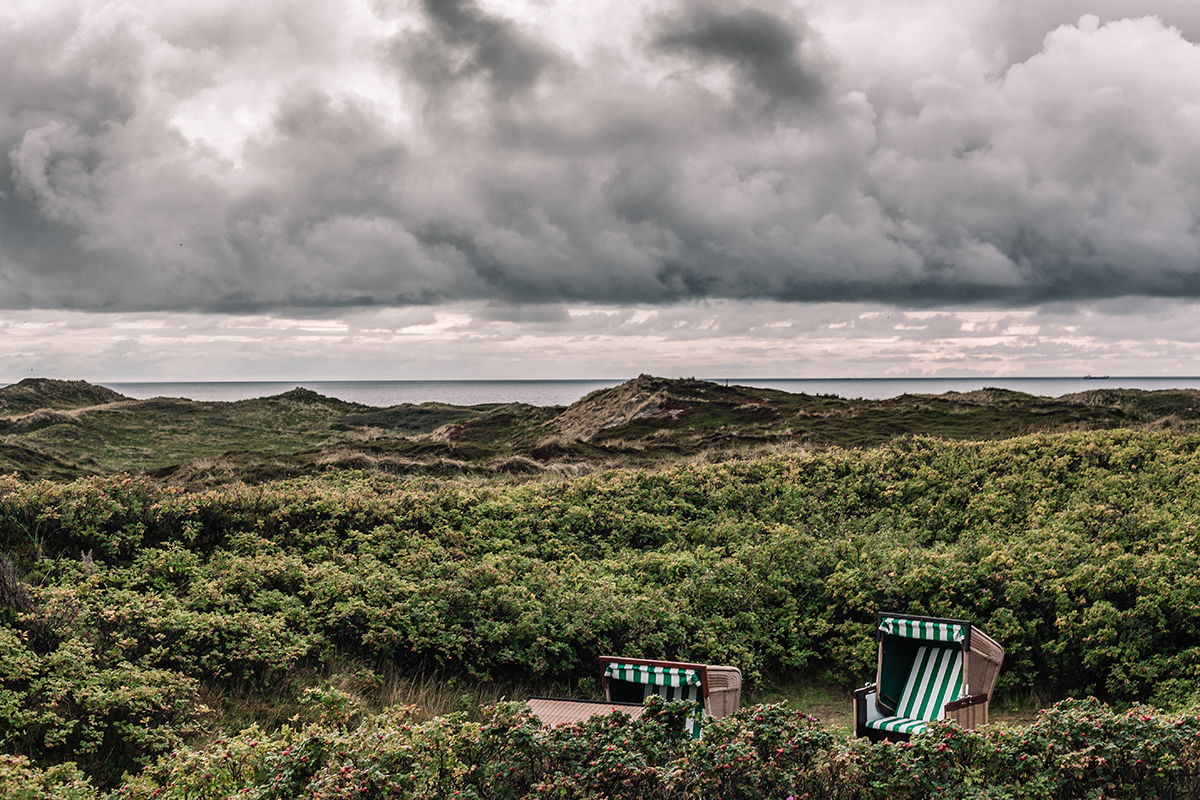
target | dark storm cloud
[
  {"x": 465, "y": 42},
  {"x": 291, "y": 154},
  {"x": 765, "y": 48},
  {"x": 65, "y": 93}
]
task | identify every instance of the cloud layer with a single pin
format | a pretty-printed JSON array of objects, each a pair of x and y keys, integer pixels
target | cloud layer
[
  {"x": 242, "y": 157},
  {"x": 738, "y": 339}
]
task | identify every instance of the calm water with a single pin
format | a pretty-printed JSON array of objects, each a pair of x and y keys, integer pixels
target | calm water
[{"x": 561, "y": 393}]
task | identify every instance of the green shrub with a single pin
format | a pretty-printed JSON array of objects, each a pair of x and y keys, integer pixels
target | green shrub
[
  {"x": 1078, "y": 749},
  {"x": 67, "y": 705},
  {"x": 19, "y": 780},
  {"x": 1079, "y": 552}
]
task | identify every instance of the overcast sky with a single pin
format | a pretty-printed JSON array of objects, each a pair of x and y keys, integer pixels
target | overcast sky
[{"x": 401, "y": 189}]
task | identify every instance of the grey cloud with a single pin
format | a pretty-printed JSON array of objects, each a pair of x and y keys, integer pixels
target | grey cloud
[
  {"x": 465, "y": 42},
  {"x": 1080, "y": 191},
  {"x": 68, "y": 93},
  {"x": 764, "y": 47},
  {"x": 1021, "y": 25},
  {"x": 527, "y": 314},
  {"x": 495, "y": 167},
  {"x": 326, "y": 160}
]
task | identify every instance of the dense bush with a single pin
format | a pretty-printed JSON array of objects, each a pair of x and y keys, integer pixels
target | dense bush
[
  {"x": 1078, "y": 552},
  {"x": 67, "y": 705},
  {"x": 1077, "y": 749},
  {"x": 20, "y": 780}
]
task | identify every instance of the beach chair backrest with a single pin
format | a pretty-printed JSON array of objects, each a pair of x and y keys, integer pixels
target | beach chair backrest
[
  {"x": 905, "y": 642},
  {"x": 936, "y": 678}
]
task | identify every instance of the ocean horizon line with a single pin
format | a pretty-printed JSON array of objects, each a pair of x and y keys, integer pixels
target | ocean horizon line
[
  {"x": 383, "y": 393},
  {"x": 565, "y": 391},
  {"x": 707, "y": 379}
]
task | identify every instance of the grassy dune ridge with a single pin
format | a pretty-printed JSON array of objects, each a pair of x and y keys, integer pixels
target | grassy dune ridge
[{"x": 64, "y": 430}]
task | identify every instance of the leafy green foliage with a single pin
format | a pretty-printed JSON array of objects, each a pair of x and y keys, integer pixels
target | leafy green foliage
[
  {"x": 1077, "y": 749},
  {"x": 20, "y": 780},
  {"x": 1078, "y": 552},
  {"x": 70, "y": 705}
]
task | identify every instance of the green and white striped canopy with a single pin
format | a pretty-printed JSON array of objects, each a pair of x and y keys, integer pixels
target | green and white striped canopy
[
  {"x": 652, "y": 675},
  {"x": 923, "y": 630}
]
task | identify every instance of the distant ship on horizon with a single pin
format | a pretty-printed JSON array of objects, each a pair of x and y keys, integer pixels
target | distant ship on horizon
[{"x": 1095, "y": 377}]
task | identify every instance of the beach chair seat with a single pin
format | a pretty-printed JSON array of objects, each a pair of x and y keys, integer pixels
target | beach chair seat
[{"x": 636, "y": 679}]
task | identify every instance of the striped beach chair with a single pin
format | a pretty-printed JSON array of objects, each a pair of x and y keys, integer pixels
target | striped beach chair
[
  {"x": 928, "y": 669},
  {"x": 628, "y": 682},
  {"x": 637, "y": 681}
]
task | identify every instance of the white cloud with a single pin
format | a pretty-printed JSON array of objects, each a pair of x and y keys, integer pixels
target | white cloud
[{"x": 724, "y": 338}]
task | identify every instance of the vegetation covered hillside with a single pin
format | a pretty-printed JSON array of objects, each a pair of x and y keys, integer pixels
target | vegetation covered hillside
[
  {"x": 137, "y": 615},
  {"x": 172, "y": 571},
  {"x": 63, "y": 430}
]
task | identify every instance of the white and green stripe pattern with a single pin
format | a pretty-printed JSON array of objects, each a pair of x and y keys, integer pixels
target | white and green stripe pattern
[
  {"x": 671, "y": 683},
  {"x": 899, "y": 725},
  {"x": 653, "y": 675},
  {"x": 934, "y": 680},
  {"x": 924, "y": 630}
]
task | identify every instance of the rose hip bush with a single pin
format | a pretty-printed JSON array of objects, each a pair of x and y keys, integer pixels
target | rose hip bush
[{"x": 1077, "y": 749}]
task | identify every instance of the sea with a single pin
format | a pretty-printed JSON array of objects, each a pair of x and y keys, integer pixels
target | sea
[{"x": 564, "y": 392}]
